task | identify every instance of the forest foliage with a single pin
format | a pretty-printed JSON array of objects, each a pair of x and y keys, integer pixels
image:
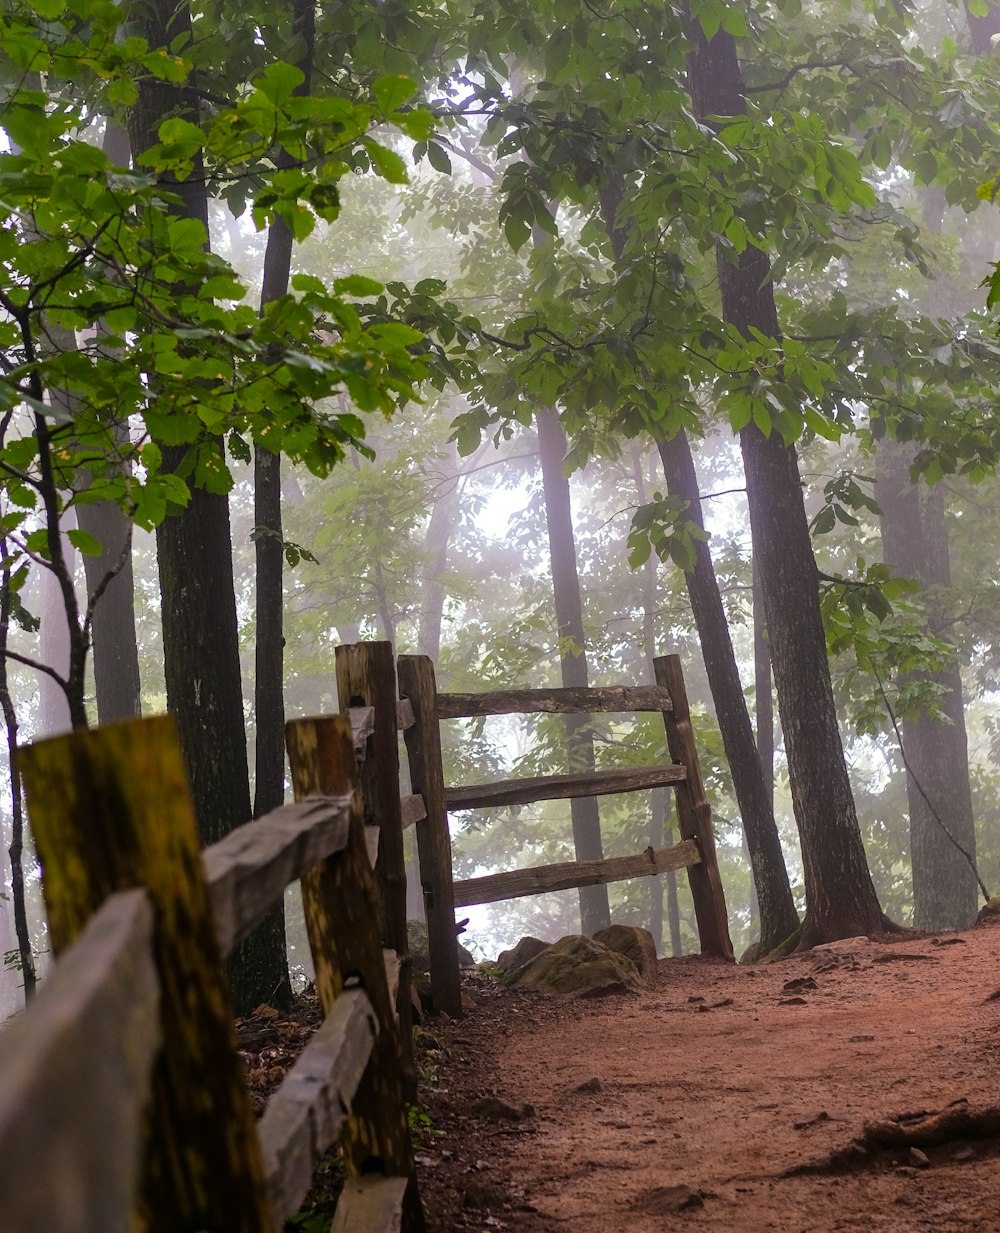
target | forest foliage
[{"x": 498, "y": 208}]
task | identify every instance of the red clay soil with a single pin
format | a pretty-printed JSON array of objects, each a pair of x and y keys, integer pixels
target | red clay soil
[{"x": 691, "y": 1105}]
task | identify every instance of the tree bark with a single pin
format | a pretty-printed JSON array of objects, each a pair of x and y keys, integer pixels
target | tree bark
[
  {"x": 269, "y": 698},
  {"x": 115, "y": 648},
  {"x": 915, "y": 545},
  {"x": 778, "y": 917},
  {"x": 840, "y": 896},
  {"x": 197, "y": 592},
  {"x": 444, "y": 514},
  {"x": 595, "y": 913}
]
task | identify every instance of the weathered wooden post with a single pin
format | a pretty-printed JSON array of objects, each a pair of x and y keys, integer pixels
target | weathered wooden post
[
  {"x": 111, "y": 809},
  {"x": 694, "y": 814},
  {"x": 366, "y": 676},
  {"x": 423, "y": 744},
  {"x": 340, "y": 900}
]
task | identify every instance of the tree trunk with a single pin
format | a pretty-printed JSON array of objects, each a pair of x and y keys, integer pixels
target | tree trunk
[
  {"x": 595, "y": 913},
  {"x": 197, "y": 593},
  {"x": 115, "y": 648},
  {"x": 779, "y": 919},
  {"x": 269, "y": 678},
  {"x": 444, "y": 514},
  {"x": 840, "y": 897},
  {"x": 915, "y": 545},
  {"x": 54, "y": 651}
]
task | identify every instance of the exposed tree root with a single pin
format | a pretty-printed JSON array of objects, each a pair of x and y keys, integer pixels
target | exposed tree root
[{"x": 921, "y": 1130}]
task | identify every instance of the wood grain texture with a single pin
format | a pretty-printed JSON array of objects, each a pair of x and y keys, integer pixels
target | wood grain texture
[
  {"x": 75, "y": 1080},
  {"x": 563, "y": 787},
  {"x": 304, "y": 1116},
  {"x": 423, "y": 745},
  {"x": 249, "y": 869},
  {"x": 413, "y": 810},
  {"x": 371, "y": 1204},
  {"x": 536, "y": 881},
  {"x": 366, "y": 675},
  {"x": 694, "y": 814},
  {"x": 110, "y": 809},
  {"x": 362, "y": 727},
  {"x": 591, "y": 701},
  {"x": 340, "y": 902}
]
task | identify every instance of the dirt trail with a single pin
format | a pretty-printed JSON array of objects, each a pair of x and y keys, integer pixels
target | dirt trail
[{"x": 681, "y": 1107}]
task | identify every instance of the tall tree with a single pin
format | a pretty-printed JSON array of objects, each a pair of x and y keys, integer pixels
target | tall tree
[
  {"x": 840, "y": 897},
  {"x": 595, "y": 913},
  {"x": 197, "y": 593},
  {"x": 269, "y": 675},
  {"x": 939, "y": 796}
]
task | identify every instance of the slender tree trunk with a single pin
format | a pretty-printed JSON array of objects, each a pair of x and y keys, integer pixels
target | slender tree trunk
[
  {"x": 915, "y": 545},
  {"x": 269, "y": 678},
  {"x": 115, "y": 647},
  {"x": 771, "y": 890},
  {"x": 779, "y": 920},
  {"x": 197, "y": 592},
  {"x": 16, "y": 850},
  {"x": 840, "y": 896},
  {"x": 444, "y": 515},
  {"x": 54, "y": 650},
  {"x": 595, "y": 913}
]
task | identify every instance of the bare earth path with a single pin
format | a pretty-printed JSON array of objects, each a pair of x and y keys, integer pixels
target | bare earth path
[{"x": 682, "y": 1107}]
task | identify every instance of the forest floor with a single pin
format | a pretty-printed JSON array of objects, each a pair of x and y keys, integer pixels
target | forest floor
[{"x": 732, "y": 1098}]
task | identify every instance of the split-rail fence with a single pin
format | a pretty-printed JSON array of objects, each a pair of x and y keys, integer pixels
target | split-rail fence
[{"x": 122, "y": 1104}]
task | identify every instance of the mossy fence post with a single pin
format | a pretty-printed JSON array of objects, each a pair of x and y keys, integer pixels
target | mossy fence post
[
  {"x": 110, "y": 809},
  {"x": 341, "y": 903}
]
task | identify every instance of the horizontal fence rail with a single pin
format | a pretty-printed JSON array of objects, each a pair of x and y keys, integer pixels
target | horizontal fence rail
[
  {"x": 563, "y": 701},
  {"x": 75, "y": 1077},
  {"x": 572, "y": 874}
]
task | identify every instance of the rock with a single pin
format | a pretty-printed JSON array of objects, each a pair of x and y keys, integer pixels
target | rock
[
  {"x": 495, "y": 1110},
  {"x": 521, "y": 954},
  {"x": 589, "y": 1085},
  {"x": 989, "y": 913},
  {"x": 416, "y": 932},
  {"x": 635, "y": 944},
  {"x": 665, "y": 1200},
  {"x": 483, "y": 1195},
  {"x": 577, "y": 967},
  {"x": 917, "y": 1158}
]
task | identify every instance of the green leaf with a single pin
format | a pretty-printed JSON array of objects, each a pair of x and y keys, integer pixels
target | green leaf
[
  {"x": 438, "y": 158},
  {"x": 387, "y": 163},
  {"x": 280, "y": 81},
  {"x": 84, "y": 542},
  {"x": 392, "y": 92},
  {"x": 357, "y": 284}
]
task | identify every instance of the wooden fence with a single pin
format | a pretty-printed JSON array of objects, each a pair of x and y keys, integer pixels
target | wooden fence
[
  {"x": 418, "y": 713},
  {"x": 122, "y": 1104}
]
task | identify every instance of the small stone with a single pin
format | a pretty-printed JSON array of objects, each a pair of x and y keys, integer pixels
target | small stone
[
  {"x": 792, "y": 1002},
  {"x": 496, "y": 1110},
  {"x": 799, "y": 984},
  {"x": 589, "y": 1085},
  {"x": 963, "y": 1153},
  {"x": 857, "y": 1040},
  {"x": 483, "y": 1194},
  {"x": 917, "y": 1158}
]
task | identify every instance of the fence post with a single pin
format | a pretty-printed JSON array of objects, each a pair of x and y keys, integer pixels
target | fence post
[
  {"x": 340, "y": 900},
  {"x": 423, "y": 744},
  {"x": 111, "y": 809},
  {"x": 694, "y": 814},
  {"x": 366, "y": 676}
]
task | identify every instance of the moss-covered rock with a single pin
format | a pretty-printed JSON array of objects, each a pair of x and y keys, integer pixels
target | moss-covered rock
[{"x": 578, "y": 967}]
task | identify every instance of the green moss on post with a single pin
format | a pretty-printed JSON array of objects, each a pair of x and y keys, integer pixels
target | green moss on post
[
  {"x": 111, "y": 809},
  {"x": 341, "y": 905}
]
